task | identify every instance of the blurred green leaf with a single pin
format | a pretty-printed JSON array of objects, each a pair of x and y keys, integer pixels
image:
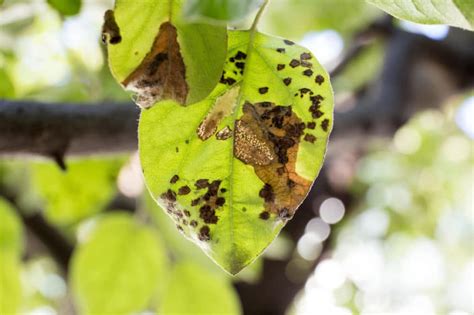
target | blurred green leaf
[
  {"x": 361, "y": 70},
  {"x": 119, "y": 268},
  {"x": 84, "y": 189},
  {"x": 193, "y": 290},
  {"x": 10, "y": 285},
  {"x": 195, "y": 52},
  {"x": 7, "y": 90},
  {"x": 66, "y": 7},
  {"x": 236, "y": 223},
  {"x": 11, "y": 238},
  {"x": 294, "y": 18},
  {"x": 458, "y": 13},
  {"x": 219, "y": 10}
]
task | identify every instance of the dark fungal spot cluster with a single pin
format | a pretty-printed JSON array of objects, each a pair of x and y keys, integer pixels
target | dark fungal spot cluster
[
  {"x": 181, "y": 216},
  {"x": 267, "y": 193},
  {"x": 267, "y": 137},
  {"x": 315, "y": 108},
  {"x": 238, "y": 60},
  {"x": 209, "y": 199}
]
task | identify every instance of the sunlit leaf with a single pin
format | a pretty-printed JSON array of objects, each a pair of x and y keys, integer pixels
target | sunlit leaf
[
  {"x": 66, "y": 7},
  {"x": 232, "y": 169},
  {"x": 156, "y": 53},
  {"x": 84, "y": 189},
  {"x": 458, "y": 13},
  {"x": 10, "y": 285},
  {"x": 193, "y": 290},
  {"x": 119, "y": 268},
  {"x": 10, "y": 229},
  {"x": 219, "y": 10}
]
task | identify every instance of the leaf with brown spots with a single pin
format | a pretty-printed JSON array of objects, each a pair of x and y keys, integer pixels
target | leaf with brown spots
[
  {"x": 249, "y": 152},
  {"x": 157, "y": 55}
]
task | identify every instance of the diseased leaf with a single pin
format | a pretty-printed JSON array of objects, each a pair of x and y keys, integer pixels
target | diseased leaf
[
  {"x": 84, "y": 189},
  {"x": 193, "y": 290},
  {"x": 155, "y": 53},
  {"x": 66, "y": 7},
  {"x": 232, "y": 169},
  {"x": 458, "y": 13},
  {"x": 219, "y": 10},
  {"x": 118, "y": 269}
]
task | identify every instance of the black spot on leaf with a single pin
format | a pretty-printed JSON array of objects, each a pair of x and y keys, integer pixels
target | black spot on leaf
[
  {"x": 308, "y": 72},
  {"x": 263, "y": 90},
  {"x": 325, "y": 124},
  {"x": 174, "y": 179},
  {"x": 319, "y": 79},
  {"x": 204, "y": 233},
  {"x": 184, "y": 190},
  {"x": 305, "y": 56},
  {"x": 264, "y": 215},
  {"x": 309, "y": 138},
  {"x": 294, "y": 63}
]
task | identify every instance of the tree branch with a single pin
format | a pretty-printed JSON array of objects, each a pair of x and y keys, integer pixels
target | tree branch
[{"x": 54, "y": 130}]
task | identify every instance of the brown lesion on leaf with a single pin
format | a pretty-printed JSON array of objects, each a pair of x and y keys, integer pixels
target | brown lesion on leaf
[
  {"x": 224, "y": 134},
  {"x": 222, "y": 107},
  {"x": 162, "y": 73},
  {"x": 110, "y": 29},
  {"x": 267, "y": 137}
]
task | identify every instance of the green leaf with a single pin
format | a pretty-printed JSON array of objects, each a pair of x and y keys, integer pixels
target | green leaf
[
  {"x": 193, "y": 290},
  {"x": 84, "y": 189},
  {"x": 219, "y": 10},
  {"x": 232, "y": 169},
  {"x": 11, "y": 244},
  {"x": 458, "y": 13},
  {"x": 10, "y": 285},
  {"x": 66, "y": 7},
  {"x": 119, "y": 268},
  {"x": 156, "y": 53},
  {"x": 7, "y": 89},
  {"x": 295, "y": 18},
  {"x": 11, "y": 237}
]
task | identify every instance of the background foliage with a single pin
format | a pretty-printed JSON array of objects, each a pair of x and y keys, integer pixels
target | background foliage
[{"x": 395, "y": 224}]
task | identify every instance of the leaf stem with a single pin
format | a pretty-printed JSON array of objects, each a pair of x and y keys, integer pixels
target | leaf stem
[{"x": 258, "y": 16}]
